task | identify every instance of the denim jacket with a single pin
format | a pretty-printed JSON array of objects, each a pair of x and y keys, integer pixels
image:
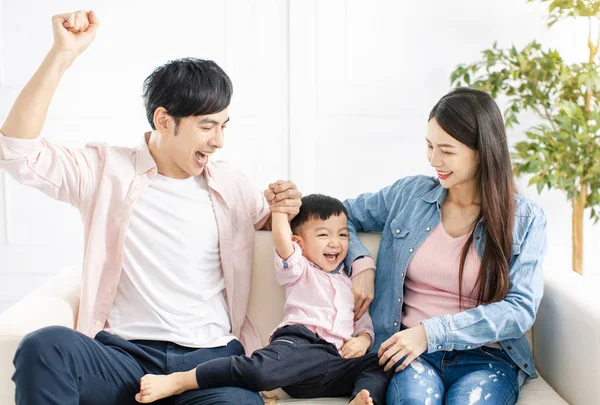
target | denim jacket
[{"x": 406, "y": 213}]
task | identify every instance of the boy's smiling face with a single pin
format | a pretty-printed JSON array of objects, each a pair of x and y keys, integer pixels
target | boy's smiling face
[{"x": 324, "y": 242}]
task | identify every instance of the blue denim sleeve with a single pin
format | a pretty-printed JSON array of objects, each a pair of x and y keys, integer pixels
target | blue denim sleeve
[
  {"x": 368, "y": 212},
  {"x": 510, "y": 318}
]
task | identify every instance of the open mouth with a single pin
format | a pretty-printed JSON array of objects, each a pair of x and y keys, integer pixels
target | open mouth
[
  {"x": 443, "y": 175},
  {"x": 331, "y": 257},
  {"x": 201, "y": 158}
]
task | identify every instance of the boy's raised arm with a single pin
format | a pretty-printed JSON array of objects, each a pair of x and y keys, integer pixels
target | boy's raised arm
[{"x": 282, "y": 235}]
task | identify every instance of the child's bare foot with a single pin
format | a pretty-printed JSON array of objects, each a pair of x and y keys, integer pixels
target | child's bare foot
[
  {"x": 155, "y": 387},
  {"x": 362, "y": 398}
]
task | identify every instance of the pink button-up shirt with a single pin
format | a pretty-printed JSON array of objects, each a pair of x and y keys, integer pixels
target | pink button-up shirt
[
  {"x": 104, "y": 183},
  {"x": 321, "y": 301}
]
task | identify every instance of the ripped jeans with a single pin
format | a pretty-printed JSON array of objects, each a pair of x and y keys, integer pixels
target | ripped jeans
[{"x": 482, "y": 376}]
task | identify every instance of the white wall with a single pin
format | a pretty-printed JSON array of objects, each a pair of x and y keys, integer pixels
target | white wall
[
  {"x": 333, "y": 93},
  {"x": 365, "y": 75},
  {"x": 100, "y": 99}
]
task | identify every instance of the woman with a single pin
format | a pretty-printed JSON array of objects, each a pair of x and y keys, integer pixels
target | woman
[{"x": 459, "y": 275}]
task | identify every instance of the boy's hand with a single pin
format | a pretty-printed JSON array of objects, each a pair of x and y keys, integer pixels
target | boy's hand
[
  {"x": 356, "y": 346},
  {"x": 74, "y": 32},
  {"x": 283, "y": 196}
]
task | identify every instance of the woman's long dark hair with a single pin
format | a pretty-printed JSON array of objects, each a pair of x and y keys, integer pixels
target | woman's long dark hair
[{"x": 473, "y": 118}]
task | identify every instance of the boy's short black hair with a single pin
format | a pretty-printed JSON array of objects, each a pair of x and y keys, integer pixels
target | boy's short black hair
[
  {"x": 187, "y": 87},
  {"x": 317, "y": 206}
]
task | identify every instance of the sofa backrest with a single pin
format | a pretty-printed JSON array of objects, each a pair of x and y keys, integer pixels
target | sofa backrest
[{"x": 267, "y": 297}]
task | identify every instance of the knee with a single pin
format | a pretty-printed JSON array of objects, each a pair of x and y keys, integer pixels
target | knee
[
  {"x": 404, "y": 389},
  {"x": 253, "y": 374},
  {"x": 498, "y": 387},
  {"x": 43, "y": 343},
  {"x": 398, "y": 394},
  {"x": 259, "y": 381}
]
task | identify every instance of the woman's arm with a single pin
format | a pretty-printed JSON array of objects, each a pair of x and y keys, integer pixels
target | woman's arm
[{"x": 366, "y": 213}]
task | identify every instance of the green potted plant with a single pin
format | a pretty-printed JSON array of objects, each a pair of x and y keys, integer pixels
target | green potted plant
[{"x": 563, "y": 151}]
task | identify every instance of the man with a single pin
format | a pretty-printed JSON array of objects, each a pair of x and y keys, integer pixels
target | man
[{"x": 168, "y": 236}]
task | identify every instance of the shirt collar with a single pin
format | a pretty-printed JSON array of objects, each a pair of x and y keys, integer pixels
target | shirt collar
[
  {"x": 144, "y": 162},
  {"x": 339, "y": 268},
  {"x": 436, "y": 195}
]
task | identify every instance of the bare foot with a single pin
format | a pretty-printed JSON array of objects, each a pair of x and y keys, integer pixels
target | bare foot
[
  {"x": 155, "y": 387},
  {"x": 362, "y": 398}
]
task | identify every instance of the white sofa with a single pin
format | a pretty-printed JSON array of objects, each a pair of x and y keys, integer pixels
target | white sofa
[{"x": 565, "y": 338}]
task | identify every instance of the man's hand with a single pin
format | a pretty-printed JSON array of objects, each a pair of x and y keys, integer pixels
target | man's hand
[
  {"x": 409, "y": 344},
  {"x": 74, "y": 32},
  {"x": 356, "y": 346},
  {"x": 283, "y": 196},
  {"x": 363, "y": 288}
]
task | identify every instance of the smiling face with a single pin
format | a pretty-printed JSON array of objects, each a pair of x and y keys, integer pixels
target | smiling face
[
  {"x": 454, "y": 162},
  {"x": 185, "y": 147},
  {"x": 324, "y": 242}
]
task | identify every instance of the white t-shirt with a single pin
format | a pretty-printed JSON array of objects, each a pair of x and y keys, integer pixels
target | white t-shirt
[{"x": 171, "y": 287}]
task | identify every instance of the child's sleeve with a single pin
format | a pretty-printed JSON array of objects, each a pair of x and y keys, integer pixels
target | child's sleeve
[
  {"x": 364, "y": 324},
  {"x": 290, "y": 270}
]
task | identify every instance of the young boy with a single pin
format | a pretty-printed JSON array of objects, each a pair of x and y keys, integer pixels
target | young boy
[{"x": 318, "y": 350}]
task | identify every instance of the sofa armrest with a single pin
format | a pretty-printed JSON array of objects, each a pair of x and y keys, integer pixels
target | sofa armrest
[
  {"x": 566, "y": 337},
  {"x": 54, "y": 303}
]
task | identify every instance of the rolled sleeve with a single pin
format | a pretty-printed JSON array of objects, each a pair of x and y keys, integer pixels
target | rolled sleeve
[
  {"x": 16, "y": 148},
  {"x": 260, "y": 210},
  {"x": 365, "y": 324},
  {"x": 65, "y": 174},
  {"x": 290, "y": 270},
  {"x": 362, "y": 264}
]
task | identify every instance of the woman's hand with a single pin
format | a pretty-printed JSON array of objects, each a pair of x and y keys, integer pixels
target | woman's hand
[{"x": 409, "y": 344}]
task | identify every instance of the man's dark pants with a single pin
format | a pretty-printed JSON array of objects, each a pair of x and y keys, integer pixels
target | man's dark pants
[{"x": 60, "y": 366}]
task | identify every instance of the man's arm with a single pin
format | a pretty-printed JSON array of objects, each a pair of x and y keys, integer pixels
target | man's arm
[
  {"x": 65, "y": 174},
  {"x": 73, "y": 33}
]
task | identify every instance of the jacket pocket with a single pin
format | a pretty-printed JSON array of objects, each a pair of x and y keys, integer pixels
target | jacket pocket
[
  {"x": 399, "y": 230},
  {"x": 495, "y": 354}
]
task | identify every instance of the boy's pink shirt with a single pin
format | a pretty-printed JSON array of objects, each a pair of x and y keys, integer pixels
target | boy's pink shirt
[{"x": 323, "y": 302}]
